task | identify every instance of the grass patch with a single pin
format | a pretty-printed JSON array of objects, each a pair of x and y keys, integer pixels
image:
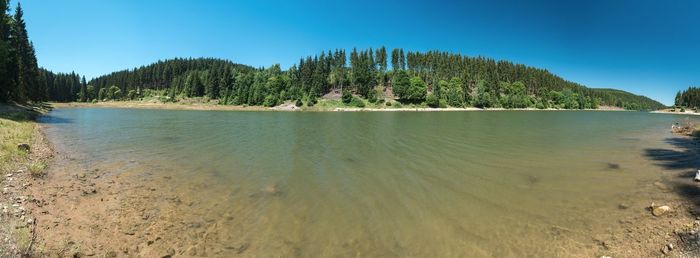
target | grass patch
[
  {"x": 36, "y": 169},
  {"x": 16, "y": 126}
]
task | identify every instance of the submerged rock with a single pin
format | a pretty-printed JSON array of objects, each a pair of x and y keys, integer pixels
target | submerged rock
[{"x": 272, "y": 189}]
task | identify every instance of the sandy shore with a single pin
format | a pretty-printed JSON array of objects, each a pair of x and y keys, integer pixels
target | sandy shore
[
  {"x": 289, "y": 107},
  {"x": 667, "y": 111},
  {"x": 77, "y": 211}
]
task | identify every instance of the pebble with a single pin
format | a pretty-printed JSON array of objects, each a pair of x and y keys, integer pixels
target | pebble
[
  {"x": 660, "y": 210},
  {"x": 667, "y": 249}
]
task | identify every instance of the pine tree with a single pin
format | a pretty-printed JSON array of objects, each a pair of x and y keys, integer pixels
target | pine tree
[
  {"x": 83, "y": 90},
  {"x": 28, "y": 70},
  {"x": 6, "y": 55}
]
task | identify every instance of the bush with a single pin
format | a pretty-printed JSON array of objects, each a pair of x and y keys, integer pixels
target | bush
[
  {"x": 312, "y": 100},
  {"x": 346, "y": 97},
  {"x": 357, "y": 102},
  {"x": 299, "y": 103},
  {"x": 372, "y": 96},
  {"x": 539, "y": 105},
  {"x": 270, "y": 101},
  {"x": 432, "y": 101},
  {"x": 388, "y": 103},
  {"x": 131, "y": 95},
  {"x": 442, "y": 103}
]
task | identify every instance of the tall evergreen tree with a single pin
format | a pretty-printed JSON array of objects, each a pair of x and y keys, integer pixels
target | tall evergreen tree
[
  {"x": 27, "y": 70},
  {"x": 6, "y": 56}
]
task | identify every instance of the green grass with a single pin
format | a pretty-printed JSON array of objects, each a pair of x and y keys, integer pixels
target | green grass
[
  {"x": 16, "y": 126},
  {"x": 36, "y": 169}
]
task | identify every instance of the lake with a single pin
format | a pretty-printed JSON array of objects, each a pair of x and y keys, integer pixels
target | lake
[{"x": 377, "y": 184}]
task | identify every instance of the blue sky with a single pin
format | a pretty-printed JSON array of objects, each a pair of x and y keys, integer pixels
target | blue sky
[{"x": 645, "y": 47}]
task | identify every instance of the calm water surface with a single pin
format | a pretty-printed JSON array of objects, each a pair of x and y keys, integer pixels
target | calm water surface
[{"x": 430, "y": 184}]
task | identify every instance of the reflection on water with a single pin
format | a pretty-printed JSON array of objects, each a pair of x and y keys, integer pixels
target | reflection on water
[{"x": 378, "y": 184}]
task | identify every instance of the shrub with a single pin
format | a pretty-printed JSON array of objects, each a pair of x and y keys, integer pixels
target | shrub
[
  {"x": 299, "y": 103},
  {"x": 131, "y": 95},
  {"x": 432, "y": 101},
  {"x": 312, "y": 100},
  {"x": 540, "y": 105},
  {"x": 388, "y": 103},
  {"x": 347, "y": 96},
  {"x": 357, "y": 102},
  {"x": 372, "y": 96},
  {"x": 442, "y": 103},
  {"x": 270, "y": 101}
]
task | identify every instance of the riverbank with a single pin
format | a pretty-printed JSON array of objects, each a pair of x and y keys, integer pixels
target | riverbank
[
  {"x": 24, "y": 156},
  {"x": 108, "y": 211},
  {"x": 322, "y": 106},
  {"x": 673, "y": 111}
]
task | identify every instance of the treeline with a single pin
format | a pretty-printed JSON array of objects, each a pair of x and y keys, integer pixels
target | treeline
[
  {"x": 21, "y": 79},
  {"x": 434, "y": 78},
  {"x": 689, "y": 98}
]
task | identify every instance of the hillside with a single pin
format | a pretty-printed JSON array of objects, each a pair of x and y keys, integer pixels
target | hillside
[{"x": 451, "y": 79}]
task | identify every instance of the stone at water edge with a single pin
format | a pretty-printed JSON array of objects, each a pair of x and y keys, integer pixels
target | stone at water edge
[
  {"x": 23, "y": 147},
  {"x": 659, "y": 210},
  {"x": 697, "y": 176},
  {"x": 667, "y": 249}
]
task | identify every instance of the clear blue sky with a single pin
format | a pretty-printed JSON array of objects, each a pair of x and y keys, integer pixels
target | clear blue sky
[{"x": 645, "y": 47}]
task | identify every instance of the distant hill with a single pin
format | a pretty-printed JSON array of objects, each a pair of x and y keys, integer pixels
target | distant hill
[{"x": 620, "y": 98}]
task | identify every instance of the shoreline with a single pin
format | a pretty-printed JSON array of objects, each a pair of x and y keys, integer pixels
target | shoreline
[
  {"x": 291, "y": 108},
  {"x": 68, "y": 206},
  {"x": 691, "y": 113}
]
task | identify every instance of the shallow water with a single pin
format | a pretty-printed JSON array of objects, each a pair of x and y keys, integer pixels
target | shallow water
[{"x": 382, "y": 184}]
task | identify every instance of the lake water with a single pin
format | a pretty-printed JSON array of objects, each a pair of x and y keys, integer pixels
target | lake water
[{"x": 381, "y": 184}]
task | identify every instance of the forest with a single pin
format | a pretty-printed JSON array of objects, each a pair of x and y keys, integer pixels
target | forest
[
  {"x": 21, "y": 79},
  {"x": 689, "y": 98},
  {"x": 436, "y": 79},
  {"x": 433, "y": 78}
]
